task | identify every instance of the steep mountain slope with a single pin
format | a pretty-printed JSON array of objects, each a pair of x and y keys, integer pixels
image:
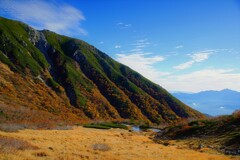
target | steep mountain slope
[
  {"x": 95, "y": 85},
  {"x": 212, "y": 102},
  {"x": 27, "y": 99}
]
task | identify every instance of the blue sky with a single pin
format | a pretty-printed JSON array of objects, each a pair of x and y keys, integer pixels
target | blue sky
[{"x": 182, "y": 45}]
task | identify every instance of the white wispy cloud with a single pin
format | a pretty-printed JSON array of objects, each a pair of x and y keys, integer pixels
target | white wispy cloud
[
  {"x": 179, "y": 46},
  {"x": 136, "y": 50},
  {"x": 117, "y": 46},
  {"x": 141, "y": 43},
  {"x": 143, "y": 63},
  {"x": 101, "y": 42},
  {"x": 206, "y": 79},
  {"x": 201, "y": 56},
  {"x": 184, "y": 65},
  {"x": 140, "y": 46},
  {"x": 42, "y": 14},
  {"x": 195, "y": 81},
  {"x": 195, "y": 58},
  {"x": 122, "y": 25},
  {"x": 127, "y": 25},
  {"x": 142, "y": 40},
  {"x": 119, "y": 23}
]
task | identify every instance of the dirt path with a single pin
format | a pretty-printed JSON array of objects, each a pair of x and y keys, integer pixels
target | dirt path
[{"x": 85, "y": 143}]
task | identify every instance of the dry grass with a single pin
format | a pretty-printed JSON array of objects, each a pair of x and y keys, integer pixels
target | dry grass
[{"x": 93, "y": 144}]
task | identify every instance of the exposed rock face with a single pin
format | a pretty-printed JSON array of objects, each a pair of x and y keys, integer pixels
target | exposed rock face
[{"x": 38, "y": 39}]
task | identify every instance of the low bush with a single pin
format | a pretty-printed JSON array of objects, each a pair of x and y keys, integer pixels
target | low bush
[
  {"x": 101, "y": 147},
  {"x": 114, "y": 125},
  {"x": 41, "y": 154},
  {"x": 144, "y": 126},
  {"x": 105, "y": 125},
  {"x": 97, "y": 126},
  {"x": 11, "y": 145}
]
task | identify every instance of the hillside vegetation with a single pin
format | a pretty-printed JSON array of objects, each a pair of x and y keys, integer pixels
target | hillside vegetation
[
  {"x": 66, "y": 77},
  {"x": 220, "y": 133}
]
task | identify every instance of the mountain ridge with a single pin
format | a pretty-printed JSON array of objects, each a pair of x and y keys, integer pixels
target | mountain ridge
[
  {"x": 226, "y": 89},
  {"x": 93, "y": 82},
  {"x": 224, "y": 101}
]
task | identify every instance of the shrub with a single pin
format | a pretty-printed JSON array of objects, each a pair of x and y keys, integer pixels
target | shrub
[
  {"x": 105, "y": 125},
  {"x": 97, "y": 126},
  {"x": 40, "y": 154},
  {"x": 236, "y": 114},
  {"x": 10, "y": 145},
  {"x": 144, "y": 126},
  {"x": 114, "y": 125},
  {"x": 11, "y": 127},
  {"x": 101, "y": 147},
  {"x": 194, "y": 123}
]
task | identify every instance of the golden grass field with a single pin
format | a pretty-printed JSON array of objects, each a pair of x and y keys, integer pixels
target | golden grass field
[{"x": 87, "y": 143}]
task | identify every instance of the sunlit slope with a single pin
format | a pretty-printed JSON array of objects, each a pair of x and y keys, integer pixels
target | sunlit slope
[{"x": 93, "y": 83}]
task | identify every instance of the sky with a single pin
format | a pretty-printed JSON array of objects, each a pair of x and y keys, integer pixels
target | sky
[{"x": 182, "y": 45}]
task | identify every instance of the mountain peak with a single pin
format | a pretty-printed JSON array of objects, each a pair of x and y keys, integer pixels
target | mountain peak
[
  {"x": 227, "y": 90},
  {"x": 96, "y": 86}
]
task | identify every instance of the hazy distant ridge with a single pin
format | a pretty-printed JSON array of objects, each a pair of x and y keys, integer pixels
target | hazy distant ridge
[{"x": 212, "y": 102}]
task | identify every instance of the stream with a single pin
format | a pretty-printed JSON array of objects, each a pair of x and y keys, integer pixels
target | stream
[{"x": 135, "y": 128}]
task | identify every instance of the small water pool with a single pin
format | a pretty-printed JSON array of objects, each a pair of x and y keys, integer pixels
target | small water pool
[{"x": 138, "y": 129}]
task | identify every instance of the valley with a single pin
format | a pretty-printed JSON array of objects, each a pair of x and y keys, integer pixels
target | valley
[
  {"x": 87, "y": 143},
  {"x": 62, "y": 98}
]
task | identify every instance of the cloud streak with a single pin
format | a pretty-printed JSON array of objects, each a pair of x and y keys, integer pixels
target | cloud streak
[
  {"x": 194, "y": 81},
  {"x": 184, "y": 65},
  {"x": 201, "y": 56},
  {"x": 139, "y": 45},
  {"x": 141, "y": 61},
  {"x": 122, "y": 25},
  {"x": 179, "y": 47},
  {"x": 57, "y": 17},
  {"x": 206, "y": 79},
  {"x": 117, "y": 46},
  {"x": 143, "y": 64},
  {"x": 195, "y": 58}
]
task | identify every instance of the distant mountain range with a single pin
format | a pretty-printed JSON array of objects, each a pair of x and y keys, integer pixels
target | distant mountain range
[
  {"x": 59, "y": 76},
  {"x": 212, "y": 102}
]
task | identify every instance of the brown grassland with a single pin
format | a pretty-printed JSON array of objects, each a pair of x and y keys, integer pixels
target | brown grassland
[{"x": 88, "y": 143}]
